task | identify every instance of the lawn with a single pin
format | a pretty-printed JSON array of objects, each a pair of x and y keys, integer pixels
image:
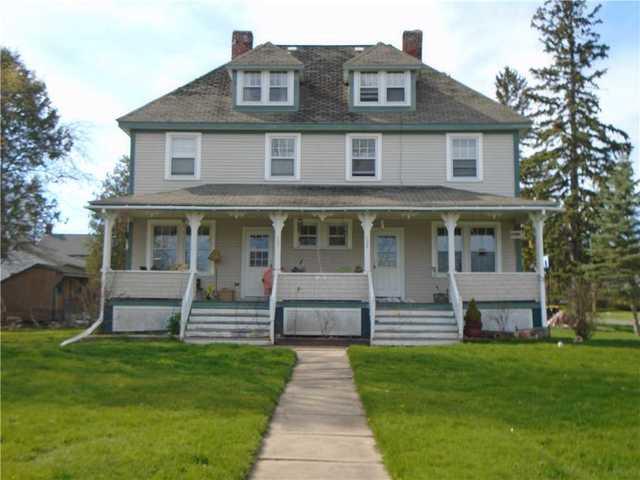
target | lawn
[
  {"x": 615, "y": 316},
  {"x": 110, "y": 408},
  {"x": 506, "y": 410}
]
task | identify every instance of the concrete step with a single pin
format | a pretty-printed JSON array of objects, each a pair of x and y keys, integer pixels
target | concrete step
[
  {"x": 206, "y": 327},
  {"x": 416, "y": 336},
  {"x": 224, "y": 333},
  {"x": 229, "y": 312},
  {"x": 240, "y": 340},
  {"x": 416, "y": 328},
  {"x": 413, "y": 342},
  {"x": 409, "y": 313}
]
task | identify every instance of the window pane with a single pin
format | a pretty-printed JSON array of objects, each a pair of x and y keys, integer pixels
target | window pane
[
  {"x": 395, "y": 94},
  {"x": 278, "y": 94},
  {"x": 364, "y": 168},
  {"x": 369, "y": 87},
  {"x": 338, "y": 235},
  {"x": 387, "y": 251},
  {"x": 395, "y": 79},
  {"x": 183, "y": 166},
  {"x": 369, "y": 79},
  {"x": 283, "y": 147},
  {"x": 483, "y": 249},
  {"x": 251, "y": 94},
  {"x": 165, "y": 242},
  {"x": 363, "y": 148},
  {"x": 259, "y": 250},
  {"x": 252, "y": 86},
  {"x": 465, "y": 168},
  {"x": 183, "y": 147},
  {"x": 252, "y": 79},
  {"x": 443, "y": 250},
  {"x": 308, "y": 234},
  {"x": 204, "y": 248},
  {"x": 282, "y": 167}
]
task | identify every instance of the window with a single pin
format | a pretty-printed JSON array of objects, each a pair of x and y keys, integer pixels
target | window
[
  {"x": 337, "y": 234},
  {"x": 165, "y": 247},
  {"x": 464, "y": 157},
  {"x": 282, "y": 156},
  {"x": 204, "y": 248},
  {"x": 265, "y": 88},
  {"x": 363, "y": 156},
  {"x": 483, "y": 248},
  {"x": 259, "y": 250},
  {"x": 443, "y": 250},
  {"x": 382, "y": 89},
  {"x": 182, "y": 160},
  {"x": 307, "y": 234}
]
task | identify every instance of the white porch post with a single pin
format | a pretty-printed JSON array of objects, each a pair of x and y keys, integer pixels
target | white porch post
[
  {"x": 450, "y": 220},
  {"x": 538, "y": 226},
  {"x": 366, "y": 221},
  {"x": 277, "y": 219},
  {"x": 109, "y": 220},
  {"x": 194, "y": 220}
]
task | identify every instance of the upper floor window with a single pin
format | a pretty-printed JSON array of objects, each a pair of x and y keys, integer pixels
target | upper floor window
[
  {"x": 282, "y": 156},
  {"x": 464, "y": 157},
  {"x": 382, "y": 88},
  {"x": 265, "y": 88},
  {"x": 182, "y": 160},
  {"x": 363, "y": 156}
]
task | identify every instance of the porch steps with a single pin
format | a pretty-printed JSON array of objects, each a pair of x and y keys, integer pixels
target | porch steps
[
  {"x": 228, "y": 325},
  {"x": 414, "y": 327}
]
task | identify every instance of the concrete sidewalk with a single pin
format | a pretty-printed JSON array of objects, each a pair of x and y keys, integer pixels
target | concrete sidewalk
[{"x": 319, "y": 430}]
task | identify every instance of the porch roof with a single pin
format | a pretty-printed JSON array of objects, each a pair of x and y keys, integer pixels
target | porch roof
[{"x": 321, "y": 197}]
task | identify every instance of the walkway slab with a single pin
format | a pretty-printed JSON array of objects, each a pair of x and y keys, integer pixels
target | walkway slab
[{"x": 319, "y": 430}]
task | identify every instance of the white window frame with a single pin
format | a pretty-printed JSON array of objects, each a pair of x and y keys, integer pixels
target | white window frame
[
  {"x": 382, "y": 90},
  {"x": 264, "y": 89},
  {"x": 296, "y": 161},
  {"x": 169, "y": 136},
  {"x": 349, "y": 160},
  {"x": 296, "y": 234},
  {"x": 479, "y": 167},
  {"x": 337, "y": 221},
  {"x": 181, "y": 238},
  {"x": 465, "y": 228}
]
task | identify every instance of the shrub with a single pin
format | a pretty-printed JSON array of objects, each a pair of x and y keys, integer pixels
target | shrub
[
  {"x": 472, "y": 318},
  {"x": 174, "y": 324}
]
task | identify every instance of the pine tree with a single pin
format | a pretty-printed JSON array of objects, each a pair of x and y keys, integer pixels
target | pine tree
[
  {"x": 34, "y": 148},
  {"x": 512, "y": 90},
  {"x": 115, "y": 185},
  {"x": 615, "y": 247},
  {"x": 574, "y": 151}
]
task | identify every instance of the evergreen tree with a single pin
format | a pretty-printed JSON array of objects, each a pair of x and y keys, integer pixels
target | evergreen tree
[
  {"x": 116, "y": 184},
  {"x": 512, "y": 90},
  {"x": 615, "y": 246},
  {"x": 34, "y": 148}
]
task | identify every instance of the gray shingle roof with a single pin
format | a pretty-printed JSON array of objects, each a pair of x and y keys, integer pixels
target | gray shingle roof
[
  {"x": 323, "y": 99},
  {"x": 382, "y": 54},
  {"x": 266, "y": 55},
  {"x": 319, "y": 196}
]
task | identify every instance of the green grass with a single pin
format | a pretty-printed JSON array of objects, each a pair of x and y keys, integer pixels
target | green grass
[
  {"x": 506, "y": 410},
  {"x": 112, "y": 408},
  {"x": 615, "y": 315}
]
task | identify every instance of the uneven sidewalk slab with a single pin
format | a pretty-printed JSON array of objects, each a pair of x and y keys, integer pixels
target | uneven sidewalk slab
[{"x": 319, "y": 430}]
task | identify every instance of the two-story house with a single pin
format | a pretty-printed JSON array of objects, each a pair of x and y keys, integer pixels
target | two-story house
[{"x": 325, "y": 190}]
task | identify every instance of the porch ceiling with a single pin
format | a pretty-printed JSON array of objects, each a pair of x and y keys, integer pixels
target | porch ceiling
[{"x": 261, "y": 197}]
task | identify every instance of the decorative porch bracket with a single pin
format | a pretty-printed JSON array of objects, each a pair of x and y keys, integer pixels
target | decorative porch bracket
[{"x": 537, "y": 219}]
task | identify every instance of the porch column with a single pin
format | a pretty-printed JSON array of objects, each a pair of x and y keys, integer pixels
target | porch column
[
  {"x": 366, "y": 221},
  {"x": 537, "y": 219},
  {"x": 450, "y": 220},
  {"x": 277, "y": 220},
  {"x": 194, "y": 220},
  {"x": 109, "y": 220}
]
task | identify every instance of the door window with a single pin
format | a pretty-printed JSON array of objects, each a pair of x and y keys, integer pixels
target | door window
[
  {"x": 259, "y": 250},
  {"x": 387, "y": 251}
]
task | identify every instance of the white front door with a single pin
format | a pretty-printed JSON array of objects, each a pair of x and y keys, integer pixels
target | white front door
[
  {"x": 257, "y": 253},
  {"x": 388, "y": 262}
]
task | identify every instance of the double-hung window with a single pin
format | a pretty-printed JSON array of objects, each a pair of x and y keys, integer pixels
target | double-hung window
[
  {"x": 265, "y": 88},
  {"x": 464, "y": 157},
  {"x": 363, "y": 156},
  {"x": 252, "y": 87},
  {"x": 182, "y": 160},
  {"x": 477, "y": 248},
  {"x": 369, "y": 91},
  {"x": 282, "y": 156},
  {"x": 443, "y": 249},
  {"x": 307, "y": 234},
  {"x": 382, "y": 89},
  {"x": 278, "y": 86},
  {"x": 396, "y": 87},
  {"x": 483, "y": 246}
]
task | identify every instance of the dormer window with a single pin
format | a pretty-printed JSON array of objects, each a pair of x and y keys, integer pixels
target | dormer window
[
  {"x": 265, "y": 88},
  {"x": 382, "y": 88}
]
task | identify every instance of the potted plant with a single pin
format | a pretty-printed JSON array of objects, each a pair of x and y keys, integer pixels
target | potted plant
[{"x": 472, "y": 320}]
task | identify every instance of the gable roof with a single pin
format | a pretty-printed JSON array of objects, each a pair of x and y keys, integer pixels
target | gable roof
[
  {"x": 382, "y": 54},
  {"x": 207, "y": 101},
  {"x": 265, "y": 55},
  {"x": 65, "y": 253}
]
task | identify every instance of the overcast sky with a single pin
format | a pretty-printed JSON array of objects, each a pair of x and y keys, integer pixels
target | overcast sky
[{"x": 103, "y": 59}]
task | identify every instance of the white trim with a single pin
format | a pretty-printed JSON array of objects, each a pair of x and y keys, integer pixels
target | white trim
[
  {"x": 479, "y": 166},
  {"x": 264, "y": 88},
  {"x": 465, "y": 228},
  {"x": 382, "y": 90},
  {"x": 284, "y": 208},
  {"x": 268, "y": 137},
  {"x": 167, "y": 155},
  {"x": 348, "y": 160},
  {"x": 401, "y": 260},
  {"x": 244, "y": 255}
]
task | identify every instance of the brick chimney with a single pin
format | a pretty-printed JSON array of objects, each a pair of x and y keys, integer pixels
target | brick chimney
[
  {"x": 412, "y": 43},
  {"x": 241, "y": 42}
]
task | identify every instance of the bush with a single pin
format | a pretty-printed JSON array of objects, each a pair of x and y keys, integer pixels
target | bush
[
  {"x": 174, "y": 324},
  {"x": 472, "y": 319}
]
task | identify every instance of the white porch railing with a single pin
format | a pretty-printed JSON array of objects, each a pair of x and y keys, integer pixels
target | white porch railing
[
  {"x": 456, "y": 302},
  {"x": 372, "y": 305},
  {"x": 273, "y": 301},
  {"x": 323, "y": 286},
  {"x": 147, "y": 284},
  {"x": 498, "y": 286},
  {"x": 187, "y": 301}
]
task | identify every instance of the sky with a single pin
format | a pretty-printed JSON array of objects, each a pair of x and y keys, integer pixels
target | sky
[{"x": 102, "y": 59}]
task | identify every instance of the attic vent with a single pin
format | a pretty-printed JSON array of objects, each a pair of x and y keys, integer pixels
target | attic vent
[
  {"x": 292, "y": 48},
  {"x": 358, "y": 49}
]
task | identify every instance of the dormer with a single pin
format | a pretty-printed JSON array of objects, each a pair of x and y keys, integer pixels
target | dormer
[
  {"x": 265, "y": 78},
  {"x": 382, "y": 77}
]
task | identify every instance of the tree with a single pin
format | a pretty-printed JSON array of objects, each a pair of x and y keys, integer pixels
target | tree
[
  {"x": 512, "y": 90},
  {"x": 116, "y": 184},
  {"x": 35, "y": 150},
  {"x": 615, "y": 247},
  {"x": 573, "y": 151}
]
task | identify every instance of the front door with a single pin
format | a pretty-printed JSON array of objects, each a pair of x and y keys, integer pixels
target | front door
[
  {"x": 388, "y": 262},
  {"x": 257, "y": 250}
]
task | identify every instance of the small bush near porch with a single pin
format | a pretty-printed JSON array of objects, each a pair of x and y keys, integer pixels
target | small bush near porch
[
  {"x": 134, "y": 409},
  {"x": 506, "y": 410}
]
